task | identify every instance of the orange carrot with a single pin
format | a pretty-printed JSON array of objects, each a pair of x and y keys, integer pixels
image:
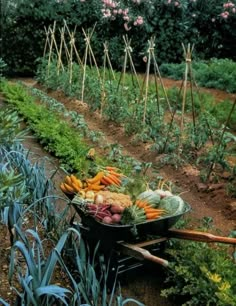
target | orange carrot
[
  {"x": 116, "y": 180},
  {"x": 141, "y": 204},
  {"x": 104, "y": 181},
  {"x": 152, "y": 215},
  {"x": 109, "y": 180},
  {"x": 96, "y": 178},
  {"x": 110, "y": 168},
  {"x": 96, "y": 187},
  {"x": 116, "y": 174}
]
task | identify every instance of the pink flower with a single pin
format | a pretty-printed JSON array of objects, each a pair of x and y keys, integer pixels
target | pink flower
[
  {"x": 176, "y": 3},
  {"x": 138, "y": 21},
  {"x": 234, "y": 10},
  {"x": 228, "y": 4},
  {"x": 225, "y": 15}
]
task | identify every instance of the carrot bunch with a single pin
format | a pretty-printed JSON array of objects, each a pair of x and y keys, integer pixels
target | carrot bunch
[
  {"x": 111, "y": 176},
  {"x": 95, "y": 182},
  {"x": 71, "y": 184},
  {"x": 151, "y": 213}
]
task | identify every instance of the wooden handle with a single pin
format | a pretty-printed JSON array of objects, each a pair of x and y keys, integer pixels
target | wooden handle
[
  {"x": 141, "y": 254},
  {"x": 199, "y": 236}
]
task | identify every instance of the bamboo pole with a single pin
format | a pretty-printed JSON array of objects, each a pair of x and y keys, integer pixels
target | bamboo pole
[
  {"x": 106, "y": 60},
  {"x": 187, "y": 54},
  {"x": 51, "y": 46},
  {"x": 72, "y": 41},
  {"x": 128, "y": 56},
  {"x": 47, "y": 42},
  {"x": 151, "y": 46},
  {"x": 221, "y": 138},
  {"x": 59, "y": 62},
  {"x": 88, "y": 40},
  {"x": 160, "y": 78},
  {"x": 84, "y": 68},
  {"x": 151, "y": 57}
]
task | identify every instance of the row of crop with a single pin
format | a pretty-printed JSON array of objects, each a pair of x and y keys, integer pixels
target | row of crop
[
  {"x": 177, "y": 133},
  {"x": 199, "y": 274},
  {"x": 41, "y": 235}
]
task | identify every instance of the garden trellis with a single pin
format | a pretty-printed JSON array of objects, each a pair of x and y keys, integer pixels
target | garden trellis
[{"x": 121, "y": 97}]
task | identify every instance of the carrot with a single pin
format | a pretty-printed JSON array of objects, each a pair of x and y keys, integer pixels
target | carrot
[
  {"x": 75, "y": 187},
  {"x": 68, "y": 180},
  {"x": 152, "y": 215},
  {"x": 109, "y": 180},
  {"x": 116, "y": 180},
  {"x": 104, "y": 182},
  {"x": 153, "y": 210},
  {"x": 110, "y": 168},
  {"x": 76, "y": 181},
  {"x": 96, "y": 178},
  {"x": 96, "y": 187},
  {"x": 141, "y": 204},
  {"x": 68, "y": 188}
]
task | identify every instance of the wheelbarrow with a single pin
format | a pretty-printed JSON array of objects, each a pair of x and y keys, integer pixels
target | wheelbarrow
[{"x": 125, "y": 242}]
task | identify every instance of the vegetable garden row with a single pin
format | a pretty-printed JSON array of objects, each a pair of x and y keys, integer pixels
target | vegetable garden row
[{"x": 205, "y": 274}]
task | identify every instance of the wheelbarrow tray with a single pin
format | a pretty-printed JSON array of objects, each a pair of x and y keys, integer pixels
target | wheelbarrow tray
[{"x": 128, "y": 232}]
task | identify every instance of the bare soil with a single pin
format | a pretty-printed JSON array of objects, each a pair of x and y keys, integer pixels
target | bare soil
[{"x": 206, "y": 200}]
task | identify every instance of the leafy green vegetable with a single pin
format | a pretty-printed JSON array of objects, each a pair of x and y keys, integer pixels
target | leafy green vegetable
[
  {"x": 133, "y": 215},
  {"x": 173, "y": 205}
]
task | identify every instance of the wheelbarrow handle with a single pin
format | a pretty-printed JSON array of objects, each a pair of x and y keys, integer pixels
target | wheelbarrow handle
[
  {"x": 199, "y": 236},
  {"x": 140, "y": 253}
]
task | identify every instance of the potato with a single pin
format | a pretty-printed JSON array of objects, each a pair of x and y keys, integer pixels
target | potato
[
  {"x": 116, "y": 218},
  {"x": 107, "y": 220},
  {"x": 117, "y": 209}
]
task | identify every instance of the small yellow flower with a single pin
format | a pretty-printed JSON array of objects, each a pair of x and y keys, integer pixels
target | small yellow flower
[
  {"x": 224, "y": 286},
  {"x": 216, "y": 278}
]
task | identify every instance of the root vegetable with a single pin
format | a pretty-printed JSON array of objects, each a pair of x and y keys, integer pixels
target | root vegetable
[
  {"x": 116, "y": 218},
  {"x": 107, "y": 220},
  {"x": 163, "y": 193},
  {"x": 99, "y": 199},
  {"x": 117, "y": 209}
]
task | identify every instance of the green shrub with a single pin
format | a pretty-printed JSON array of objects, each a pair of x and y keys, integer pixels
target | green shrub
[
  {"x": 201, "y": 275},
  {"x": 191, "y": 21},
  {"x": 215, "y": 73}
]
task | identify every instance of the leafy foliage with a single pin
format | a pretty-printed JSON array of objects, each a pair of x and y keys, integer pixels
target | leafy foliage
[
  {"x": 200, "y": 274},
  {"x": 191, "y": 21},
  {"x": 215, "y": 73}
]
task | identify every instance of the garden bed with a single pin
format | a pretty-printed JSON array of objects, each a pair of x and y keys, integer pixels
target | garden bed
[{"x": 208, "y": 201}]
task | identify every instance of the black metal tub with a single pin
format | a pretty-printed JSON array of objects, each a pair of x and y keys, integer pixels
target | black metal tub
[{"x": 111, "y": 232}]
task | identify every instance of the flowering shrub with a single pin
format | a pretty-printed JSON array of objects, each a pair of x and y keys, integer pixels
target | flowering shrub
[{"x": 208, "y": 24}]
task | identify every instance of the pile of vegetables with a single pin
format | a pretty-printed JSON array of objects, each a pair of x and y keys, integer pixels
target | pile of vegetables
[
  {"x": 94, "y": 198},
  {"x": 87, "y": 188}
]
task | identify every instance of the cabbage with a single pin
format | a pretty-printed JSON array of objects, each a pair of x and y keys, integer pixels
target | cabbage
[
  {"x": 150, "y": 197},
  {"x": 173, "y": 205}
]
